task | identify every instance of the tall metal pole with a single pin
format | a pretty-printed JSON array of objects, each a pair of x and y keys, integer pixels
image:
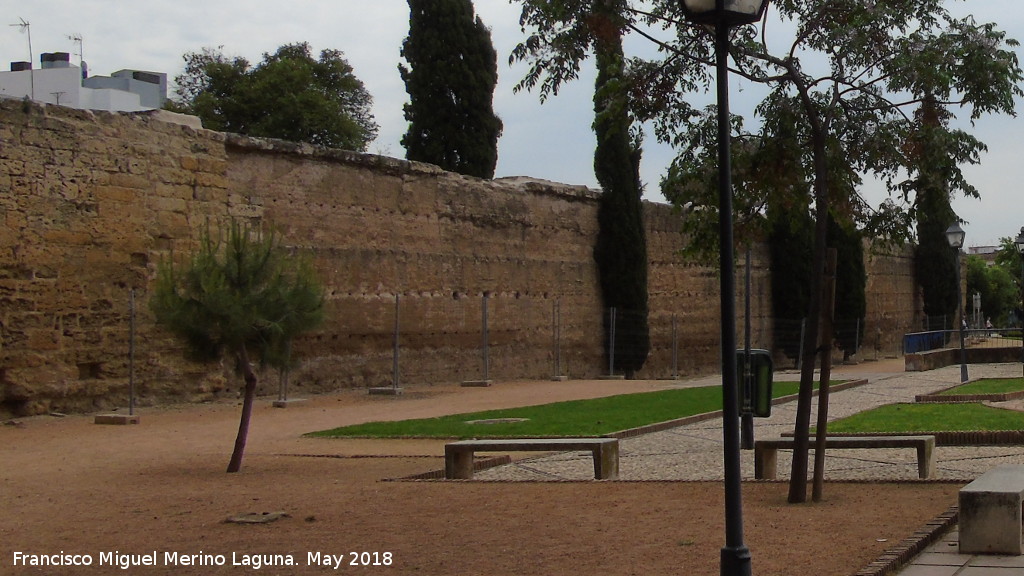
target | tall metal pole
[
  {"x": 960, "y": 305},
  {"x": 131, "y": 353},
  {"x": 735, "y": 559},
  {"x": 395, "y": 351},
  {"x": 611, "y": 343},
  {"x": 675, "y": 347},
  {"x": 747, "y": 409},
  {"x": 486, "y": 344},
  {"x": 1019, "y": 243}
]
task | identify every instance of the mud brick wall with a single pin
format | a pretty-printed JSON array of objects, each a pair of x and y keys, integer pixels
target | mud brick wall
[{"x": 92, "y": 201}]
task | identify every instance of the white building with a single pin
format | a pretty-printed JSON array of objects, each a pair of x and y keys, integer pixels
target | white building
[{"x": 60, "y": 82}]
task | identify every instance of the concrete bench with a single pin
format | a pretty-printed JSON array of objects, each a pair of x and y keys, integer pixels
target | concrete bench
[
  {"x": 766, "y": 451},
  {"x": 990, "y": 512},
  {"x": 458, "y": 456}
]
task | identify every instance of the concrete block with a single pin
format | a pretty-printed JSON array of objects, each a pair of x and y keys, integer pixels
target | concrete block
[
  {"x": 116, "y": 419},
  {"x": 990, "y": 512}
]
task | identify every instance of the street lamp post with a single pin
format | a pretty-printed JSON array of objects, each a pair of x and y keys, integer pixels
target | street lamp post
[
  {"x": 955, "y": 236},
  {"x": 722, "y": 15},
  {"x": 1019, "y": 241}
]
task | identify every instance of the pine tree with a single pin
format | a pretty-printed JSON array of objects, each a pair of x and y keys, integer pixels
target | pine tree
[
  {"x": 451, "y": 75},
  {"x": 241, "y": 296}
]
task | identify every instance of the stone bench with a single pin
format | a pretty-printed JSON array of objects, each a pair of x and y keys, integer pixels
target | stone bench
[
  {"x": 458, "y": 456},
  {"x": 990, "y": 512},
  {"x": 766, "y": 451}
]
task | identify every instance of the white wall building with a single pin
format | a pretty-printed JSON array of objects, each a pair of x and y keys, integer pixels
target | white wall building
[{"x": 62, "y": 83}]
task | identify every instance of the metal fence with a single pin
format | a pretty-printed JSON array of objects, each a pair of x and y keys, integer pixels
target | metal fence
[
  {"x": 973, "y": 338},
  {"x": 426, "y": 338}
]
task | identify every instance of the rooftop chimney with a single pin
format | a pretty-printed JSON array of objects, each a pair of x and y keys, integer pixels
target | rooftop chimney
[{"x": 55, "y": 60}]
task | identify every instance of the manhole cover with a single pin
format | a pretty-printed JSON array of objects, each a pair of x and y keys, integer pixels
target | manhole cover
[{"x": 497, "y": 421}]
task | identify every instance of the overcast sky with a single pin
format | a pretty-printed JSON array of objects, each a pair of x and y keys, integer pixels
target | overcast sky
[{"x": 552, "y": 141}]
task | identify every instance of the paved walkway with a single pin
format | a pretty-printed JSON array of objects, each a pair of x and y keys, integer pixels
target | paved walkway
[{"x": 694, "y": 452}]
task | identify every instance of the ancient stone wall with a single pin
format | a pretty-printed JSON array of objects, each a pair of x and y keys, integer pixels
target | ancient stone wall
[
  {"x": 895, "y": 301},
  {"x": 93, "y": 201}
]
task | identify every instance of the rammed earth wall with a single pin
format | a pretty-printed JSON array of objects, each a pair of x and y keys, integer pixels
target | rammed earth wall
[{"x": 92, "y": 201}]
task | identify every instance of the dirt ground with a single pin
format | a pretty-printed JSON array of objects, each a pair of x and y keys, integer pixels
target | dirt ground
[{"x": 121, "y": 493}]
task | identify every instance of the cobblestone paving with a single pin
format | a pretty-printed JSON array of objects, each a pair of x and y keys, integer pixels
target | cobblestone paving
[{"x": 694, "y": 452}]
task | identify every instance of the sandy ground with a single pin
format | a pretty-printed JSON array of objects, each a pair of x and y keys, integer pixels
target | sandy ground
[{"x": 138, "y": 493}]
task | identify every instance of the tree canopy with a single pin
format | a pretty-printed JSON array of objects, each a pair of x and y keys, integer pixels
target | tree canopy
[
  {"x": 840, "y": 95},
  {"x": 289, "y": 95},
  {"x": 451, "y": 75}
]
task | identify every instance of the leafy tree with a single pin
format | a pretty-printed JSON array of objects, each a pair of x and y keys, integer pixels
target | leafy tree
[
  {"x": 289, "y": 95},
  {"x": 997, "y": 288},
  {"x": 241, "y": 296},
  {"x": 849, "y": 119},
  {"x": 452, "y": 73},
  {"x": 621, "y": 249},
  {"x": 1010, "y": 260}
]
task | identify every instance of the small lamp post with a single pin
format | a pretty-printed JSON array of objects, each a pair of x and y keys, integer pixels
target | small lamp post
[
  {"x": 955, "y": 236},
  {"x": 1019, "y": 242},
  {"x": 723, "y": 15}
]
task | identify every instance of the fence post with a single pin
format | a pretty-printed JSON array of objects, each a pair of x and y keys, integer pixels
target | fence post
[
  {"x": 856, "y": 338},
  {"x": 131, "y": 352},
  {"x": 675, "y": 348},
  {"x": 611, "y": 342},
  {"x": 800, "y": 354},
  {"x": 486, "y": 381},
  {"x": 556, "y": 336},
  {"x": 485, "y": 343},
  {"x": 394, "y": 362},
  {"x": 394, "y": 389}
]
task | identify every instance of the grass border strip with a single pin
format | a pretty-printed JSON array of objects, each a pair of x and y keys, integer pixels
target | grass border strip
[
  {"x": 662, "y": 426},
  {"x": 630, "y": 433},
  {"x": 953, "y": 438}
]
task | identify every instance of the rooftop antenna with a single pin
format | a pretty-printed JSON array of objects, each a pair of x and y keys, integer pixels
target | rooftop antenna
[
  {"x": 25, "y": 27},
  {"x": 77, "y": 39}
]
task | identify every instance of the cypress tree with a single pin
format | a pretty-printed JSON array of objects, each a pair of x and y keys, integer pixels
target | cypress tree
[
  {"x": 851, "y": 281},
  {"x": 621, "y": 249},
  {"x": 934, "y": 260},
  {"x": 791, "y": 233},
  {"x": 452, "y": 73}
]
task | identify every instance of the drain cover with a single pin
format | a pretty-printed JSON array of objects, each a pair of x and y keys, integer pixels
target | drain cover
[{"x": 497, "y": 421}]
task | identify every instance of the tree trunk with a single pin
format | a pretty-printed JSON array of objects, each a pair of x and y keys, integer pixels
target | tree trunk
[
  {"x": 828, "y": 315},
  {"x": 801, "y": 432},
  {"x": 243, "y": 424}
]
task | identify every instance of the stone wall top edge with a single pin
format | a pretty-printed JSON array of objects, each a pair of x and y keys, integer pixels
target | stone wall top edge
[
  {"x": 161, "y": 120},
  {"x": 397, "y": 166}
]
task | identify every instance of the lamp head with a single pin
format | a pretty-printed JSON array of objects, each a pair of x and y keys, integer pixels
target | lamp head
[
  {"x": 728, "y": 12},
  {"x": 1019, "y": 241},
  {"x": 955, "y": 235}
]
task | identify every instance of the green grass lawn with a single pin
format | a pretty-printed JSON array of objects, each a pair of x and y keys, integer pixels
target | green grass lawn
[
  {"x": 929, "y": 418},
  {"x": 573, "y": 418},
  {"x": 988, "y": 386}
]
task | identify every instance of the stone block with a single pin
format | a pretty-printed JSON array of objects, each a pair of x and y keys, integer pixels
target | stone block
[
  {"x": 116, "y": 419},
  {"x": 990, "y": 512}
]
